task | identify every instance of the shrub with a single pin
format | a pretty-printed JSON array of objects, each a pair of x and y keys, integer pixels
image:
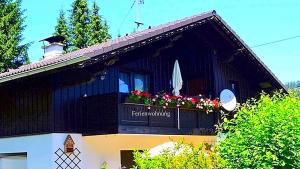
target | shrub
[
  {"x": 190, "y": 157},
  {"x": 104, "y": 166},
  {"x": 265, "y": 133}
]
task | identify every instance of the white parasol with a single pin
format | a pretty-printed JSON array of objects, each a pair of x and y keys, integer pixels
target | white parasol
[
  {"x": 177, "y": 85},
  {"x": 176, "y": 79}
]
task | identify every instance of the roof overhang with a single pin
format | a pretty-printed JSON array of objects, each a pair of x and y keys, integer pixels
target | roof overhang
[{"x": 43, "y": 69}]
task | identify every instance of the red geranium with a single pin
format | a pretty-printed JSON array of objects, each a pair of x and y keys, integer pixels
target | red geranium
[
  {"x": 193, "y": 100},
  {"x": 145, "y": 94},
  {"x": 216, "y": 103},
  {"x": 136, "y": 92}
]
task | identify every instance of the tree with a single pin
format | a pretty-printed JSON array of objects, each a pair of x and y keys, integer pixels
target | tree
[
  {"x": 83, "y": 29},
  {"x": 98, "y": 29},
  {"x": 293, "y": 84},
  {"x": 79, "y": 22},
  {"x": 12, "y": 52},
  {"x": 62, "y": 29},
  {"x": 265, "y": 133}
]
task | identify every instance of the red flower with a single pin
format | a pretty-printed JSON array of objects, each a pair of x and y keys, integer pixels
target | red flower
[
  {"x": 146, "y": 94},
  {"x": 136, "y": 92},
  {"x": 193, "y": 100},
  {"x": 216, "y": 103}
]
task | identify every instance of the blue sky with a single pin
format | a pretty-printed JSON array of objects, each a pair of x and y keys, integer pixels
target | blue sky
[{"x": 255, "y": 21}]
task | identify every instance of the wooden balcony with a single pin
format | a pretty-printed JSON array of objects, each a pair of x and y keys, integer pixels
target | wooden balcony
[{"x": 138, "y": 119}]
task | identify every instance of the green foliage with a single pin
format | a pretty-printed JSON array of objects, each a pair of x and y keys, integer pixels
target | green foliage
[
  {"x": 265, "y": 133},
  {"x": 98, "y": 30},
  {"x": 295, "y": 91},
  {"x": 12, "y": 53},
  {"x": 62, "y": 29},
  {"x": 79, "y": 21},
  {"x": 190, "y": 157},
  {"x": 104, "y": 166},
  {"x": 84, "y": 27}
]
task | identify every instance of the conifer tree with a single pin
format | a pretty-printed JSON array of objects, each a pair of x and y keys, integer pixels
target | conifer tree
[
  {"x": 98, "y": 28},
  {"x": 12, "y": 52},
  {"x": 79, "y": 22},
  {"x": 62, "y": 29}
]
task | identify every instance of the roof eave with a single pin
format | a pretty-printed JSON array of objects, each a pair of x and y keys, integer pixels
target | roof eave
[{"x": 42, "y": 69}]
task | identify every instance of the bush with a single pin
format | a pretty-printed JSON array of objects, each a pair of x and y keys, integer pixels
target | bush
[
  {"x": 296, "y": 92},
  {"x": 265, "y": 133},
  {"x": 190, "y": 157}
]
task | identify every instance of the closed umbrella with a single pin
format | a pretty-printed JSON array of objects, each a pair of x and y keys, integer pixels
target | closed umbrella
[
  {"x": 177, "y": 85},
  {"x": 176, "y": 79}
]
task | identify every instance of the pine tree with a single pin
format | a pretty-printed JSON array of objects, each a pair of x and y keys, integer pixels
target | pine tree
[
  {"x": 79, "y": 22},
  {"x": 98, "y": 29},
  {"x": 12, "y": 53},
  {"x": 62, "y": 29}
]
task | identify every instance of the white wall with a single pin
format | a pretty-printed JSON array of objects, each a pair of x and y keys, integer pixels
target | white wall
[{"x": 40, "y": 148}]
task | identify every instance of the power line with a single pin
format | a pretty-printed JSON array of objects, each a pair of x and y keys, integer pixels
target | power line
[
  {"x": 126, "y": 17},
  {"x": 277, "y": 41}
]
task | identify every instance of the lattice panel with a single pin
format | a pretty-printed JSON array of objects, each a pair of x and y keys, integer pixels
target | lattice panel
[{"x": 67, "y": 161}]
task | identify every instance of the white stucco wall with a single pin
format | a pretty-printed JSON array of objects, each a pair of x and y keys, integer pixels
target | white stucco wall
[{"x": 40, "y": 149}]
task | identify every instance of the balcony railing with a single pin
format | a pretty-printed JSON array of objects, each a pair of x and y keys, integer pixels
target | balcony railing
[{"x": 138, "y": 118}]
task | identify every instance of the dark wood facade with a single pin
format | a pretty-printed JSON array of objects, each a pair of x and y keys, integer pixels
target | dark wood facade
[{"x": 75, "y": 99}]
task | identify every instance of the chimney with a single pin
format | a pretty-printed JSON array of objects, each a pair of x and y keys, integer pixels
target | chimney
[{"x": 54, "y": 47}]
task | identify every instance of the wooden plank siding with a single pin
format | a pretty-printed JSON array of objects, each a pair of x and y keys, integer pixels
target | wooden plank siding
[
  {"x": 225, "y": 73},
  {"x": 25, "y": 111},
  {"x": 70, "y": 101},
  {"x": 36, "y": 107}
]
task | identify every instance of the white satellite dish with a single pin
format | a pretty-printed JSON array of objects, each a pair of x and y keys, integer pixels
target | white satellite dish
[{"x": 228, "y": 100}]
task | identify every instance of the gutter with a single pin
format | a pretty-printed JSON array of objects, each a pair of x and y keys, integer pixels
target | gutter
[{"x": 43, "y": 69}]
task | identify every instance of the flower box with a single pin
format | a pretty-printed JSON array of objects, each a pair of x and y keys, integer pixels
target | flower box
[{"x": 168, "y": 101}]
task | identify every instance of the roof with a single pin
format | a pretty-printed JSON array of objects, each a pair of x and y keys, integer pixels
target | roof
[
  {"x": 52, "y": 39},
  {"x": 125, "y": 43}
]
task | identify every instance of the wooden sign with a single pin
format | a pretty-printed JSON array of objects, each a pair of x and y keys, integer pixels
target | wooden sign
[{"x": 69, "y": 144}]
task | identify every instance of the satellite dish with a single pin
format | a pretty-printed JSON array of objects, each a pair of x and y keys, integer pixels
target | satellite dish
[{"x": 228, "y": 100}]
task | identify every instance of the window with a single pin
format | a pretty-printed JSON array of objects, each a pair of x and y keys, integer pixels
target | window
[
  {"x": 133, "y": 81},
  {"x": 141, "y": 82},
  {"x": 124, "y": 81},
  {"x": 127, "y": 159}
]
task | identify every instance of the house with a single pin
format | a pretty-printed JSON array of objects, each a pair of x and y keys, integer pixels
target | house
[{"x": 83, "y": 94}]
